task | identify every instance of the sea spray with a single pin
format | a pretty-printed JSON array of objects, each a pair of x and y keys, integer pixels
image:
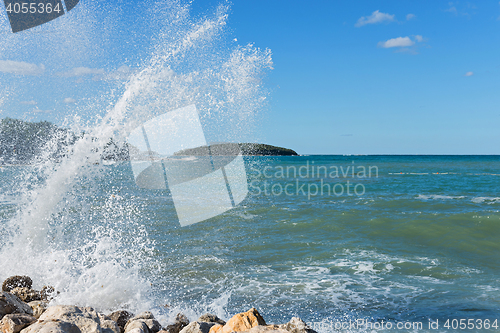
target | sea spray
[{"x": 88, "y": 242}]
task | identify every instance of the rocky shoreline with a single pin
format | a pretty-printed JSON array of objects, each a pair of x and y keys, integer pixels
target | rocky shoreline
[{"x": 25, "y": 310}]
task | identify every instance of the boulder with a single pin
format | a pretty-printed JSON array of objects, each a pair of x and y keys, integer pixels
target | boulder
[
  {"x": 86, "y": 319},
  {"x": 297, "y": 325},
  {"x": 38, "y": 308},
  {"x": 241, "y": 322},
  {"x": 146, "y": 318},
  {"x": 121, "y": 317},
  {"x": 12, "y": 304},
  {"x": 17, "y": 281},
  {"x": 26, "y": 294},
  {"x": 210, "y": 318},
  {"x": 109, "y": 326},
  {"x": 181, "y": 321},
  {"x": 198, "y": 327},
  {"x": 136, "y": 326},
  {"x": 48, "y": 293},
  {"x": 14, "y": 323},
  {"x": 50, "y": 326},
  {"x": 266, "y": 329}
]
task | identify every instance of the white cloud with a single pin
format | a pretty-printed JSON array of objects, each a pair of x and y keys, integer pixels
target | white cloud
[
  {"x": 69, "y": 100},
  {"x": 37, "y": 110},
  {"x": 401, "y": 42},
  {"x": 122, "y": 73},
  {"x": 20, "y": 68},
  {"x": 28, "y": 102},
  {"x": 469, "y": 74},
  {"x": 397, "y": 42},
  {"x": 375, "y": 17},
  {"x": 82, "y": 71},
  {"x": 410, "y": 17},
  {"x": 452, "y": 10}
]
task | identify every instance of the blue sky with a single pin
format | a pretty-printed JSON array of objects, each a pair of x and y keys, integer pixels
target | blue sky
[{"x": 348, "y": 77}]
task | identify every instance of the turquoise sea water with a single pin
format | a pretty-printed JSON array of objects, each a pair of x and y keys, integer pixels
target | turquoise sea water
[{"x": 419, "y": 241}]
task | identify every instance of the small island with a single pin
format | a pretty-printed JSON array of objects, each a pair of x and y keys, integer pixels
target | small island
[{"x": 22, "y": 142}]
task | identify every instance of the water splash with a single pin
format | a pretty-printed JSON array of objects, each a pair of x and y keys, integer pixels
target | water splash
[{"x": 68, "y": 230}]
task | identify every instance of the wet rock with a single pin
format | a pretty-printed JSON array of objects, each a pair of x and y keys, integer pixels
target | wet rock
[
  {"x": 297, "y": 325},
  {"x": 137, "y": 326},
  {"x": 121, "y": 318},
  {"x": 146, "y": 318},
  {"x": 48, "y": 293},
  {"x": 52, "y": 326},
  {"x": 12, "y": 304},
  {"x": 26, "y": 294},
  {"x": 86, "y": 319},
  {"x": 17, "y": 281},
  {"x": 14, "y": 323},
  {"x": 198, "y": 327},
  {"x": 210, "y": 318},
  {"x": 241, "y": 322},
  {"x": 38, "y": 308},
  {"x": 109, "y": 326},
  {"x": 181, "y": 321}
]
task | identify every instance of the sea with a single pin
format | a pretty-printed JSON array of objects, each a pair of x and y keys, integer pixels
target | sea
[{"x": 346, "y": 243}]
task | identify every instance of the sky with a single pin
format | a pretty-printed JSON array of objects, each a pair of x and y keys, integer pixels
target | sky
[{"x": 347, "y": 77}]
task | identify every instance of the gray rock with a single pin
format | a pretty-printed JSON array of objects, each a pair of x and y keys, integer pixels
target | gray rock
[
  {"x": 146, "y": 318},
  {"x": 144, "y": 315},
  {"x": 210, "y": 318},
  {"x": 265, "y": 329},
  {"x": 38, "y": 308},
  {"x": 198, "y": 327},
  {"x": 136, "y": 326},
  {"x": 14, "y": 323},
  {"x": 26, "y": 294},
  {"x": 52, "y": 327},
  {"x": 297, "y": 325},
  {"x": 121, "y": 317},
  {"x": 181, "y": 321},
  {"x": 109, "y": 326},
  {"x": 86, "y": 319},
  {"x": 12, "y": 304},
  {"x": 17, "y": 281}
]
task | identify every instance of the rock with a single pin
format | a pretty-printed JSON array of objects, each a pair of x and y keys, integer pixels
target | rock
[
  {"x": 144, "y": 315},
  {"x": 241, "y": 322},
  {"x": 17, "y": 281},
  {"x": 136, "y": 326},
  {"x": 297, "y": 325},
  {"x": 48, "y": 293},
  {"x": 26, "y": 294},
  {"x": 198, "y": 327},
  {"x": 109, "y": 326},
  {"x": 181, "y": 321},
  {"x": 121, "y": 317},
  {"x": 38, "y": 308},
  {"x": 86, "y": 319},
  {"x": 14, "y": 323},
  {"x": 265, "y": 329},
  {"x": 146, "y": 318},
  {"x": 217, "y": 328},
  {"x": 12, "y": 304},
  {"x": 52, "y": 327},
  {"x": 210, "y": 318}
]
